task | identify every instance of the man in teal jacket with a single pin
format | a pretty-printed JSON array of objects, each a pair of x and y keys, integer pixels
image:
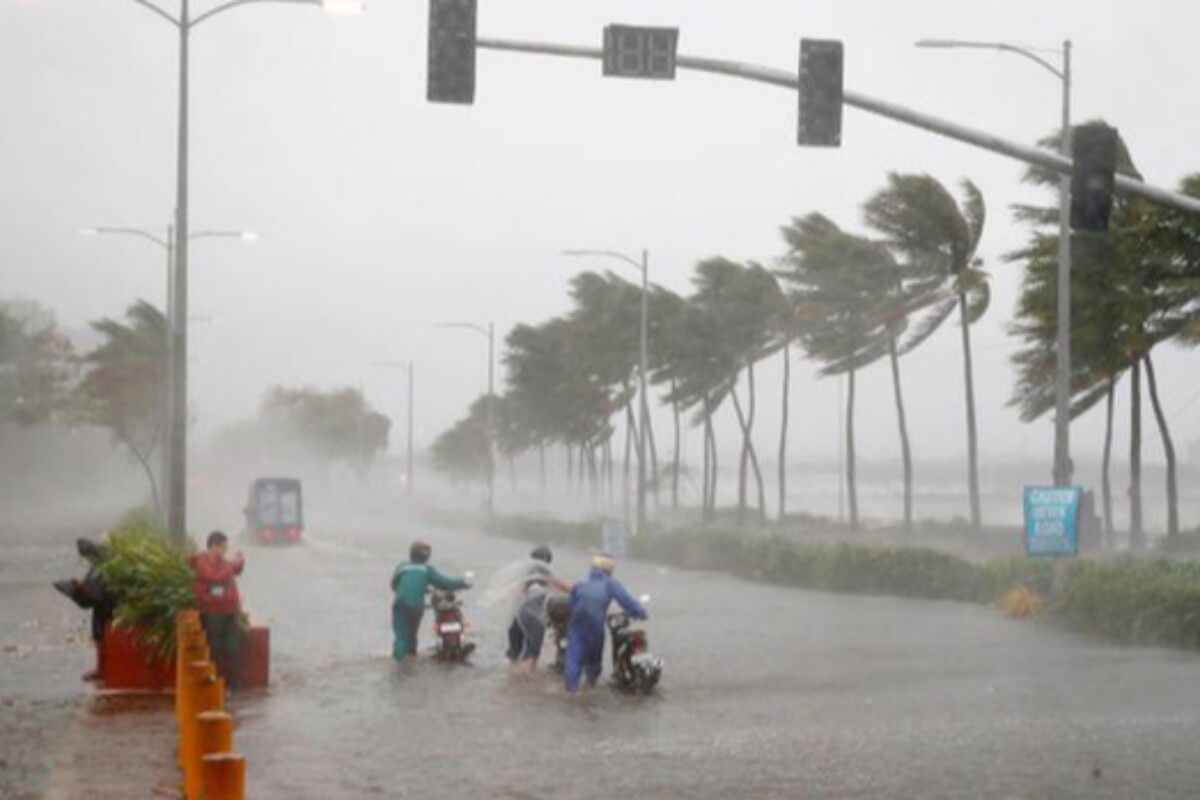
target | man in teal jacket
[{"x": 410, "y": 581}]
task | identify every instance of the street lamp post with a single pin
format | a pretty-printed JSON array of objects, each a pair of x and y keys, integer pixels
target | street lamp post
[
  {"x": 168, "y": 244},
  {"x": 409, "y": 371},
  {"x": 1062, "y": 378},
  {"x": 643, "y": 404},
  {"x": 184, "y": 24},
  {"x": 488, "y": 333}
]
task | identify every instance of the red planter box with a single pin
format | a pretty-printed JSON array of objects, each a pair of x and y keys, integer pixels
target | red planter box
[
  {"x": 127, "y": 665},
  {"x": 256, "y": 657}
]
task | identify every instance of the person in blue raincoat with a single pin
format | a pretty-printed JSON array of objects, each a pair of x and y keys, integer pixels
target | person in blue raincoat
[
  {"x": 410, "y": 581},
  {"x": 590, "y": 599}
]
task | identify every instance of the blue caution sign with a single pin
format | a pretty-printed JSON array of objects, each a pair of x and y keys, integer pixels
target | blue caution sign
[{"x": 1052, "y": 520}]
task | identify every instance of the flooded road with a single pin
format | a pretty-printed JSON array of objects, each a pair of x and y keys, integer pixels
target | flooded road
[
  {"x": 59, "y": 740},
  {"x": 768, "y": 692}
]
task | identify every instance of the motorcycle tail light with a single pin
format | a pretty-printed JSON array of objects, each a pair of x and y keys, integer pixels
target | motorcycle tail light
[
  {"x": 293, "y": 533},
  {"x": 268, "y": 534}
]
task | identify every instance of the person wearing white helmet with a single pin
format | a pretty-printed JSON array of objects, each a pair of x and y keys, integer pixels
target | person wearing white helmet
[{"x": 590, "y": 599}]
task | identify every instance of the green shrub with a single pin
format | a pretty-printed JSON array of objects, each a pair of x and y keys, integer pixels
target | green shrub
[
  {"x": 1137, "y": 600},
  {"x": 1141, "y": 600},
  {"x": 150, "y": 578}
]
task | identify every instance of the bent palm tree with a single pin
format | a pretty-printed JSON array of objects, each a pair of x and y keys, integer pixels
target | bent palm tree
[{"x": 933, "y": 233}]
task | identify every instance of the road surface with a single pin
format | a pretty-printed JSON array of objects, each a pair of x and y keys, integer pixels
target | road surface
[{"x": 768, "y": 693}]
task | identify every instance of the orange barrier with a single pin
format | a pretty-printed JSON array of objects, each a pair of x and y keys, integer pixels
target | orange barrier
[
  {"x": 214, "y": 733},
  {"x": 225, "y": 776},
  {"x": 210, "y": 770}
]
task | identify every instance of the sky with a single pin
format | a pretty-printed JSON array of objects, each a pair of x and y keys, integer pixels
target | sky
[{"x": 381, "y": 216}]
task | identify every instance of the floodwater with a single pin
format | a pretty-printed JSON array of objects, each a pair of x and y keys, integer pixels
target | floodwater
[
  {"x": 768, "y": 693},
  {"x": 59, "y": 740}
]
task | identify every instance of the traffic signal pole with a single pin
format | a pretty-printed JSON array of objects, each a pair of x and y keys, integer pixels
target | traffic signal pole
[{"x": 1036, "y": 156}]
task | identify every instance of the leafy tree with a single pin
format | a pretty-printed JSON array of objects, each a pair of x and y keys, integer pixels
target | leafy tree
[
  {"x": 745, "y": 303},
  {"x": 699, "y": 370},
  {"x": 334, "y": 426},
  {"x": 35, "y": 364},
  {"x": 932, "y": 233},
  {"x": 124, "y": 384},
  {"x": 1132, "y": 287},
  {"x": 667, "y": 311},
  {"x": 556, "y": 390},
  {"x": 463, "y": 452},
  {"x": 841, "y": 287}
]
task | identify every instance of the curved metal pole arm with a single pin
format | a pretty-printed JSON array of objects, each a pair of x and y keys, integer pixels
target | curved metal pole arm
[
  {"x": 1021, "y": 51},
  {"x": 232, "y": 4},
  {"x": 153, "y": 9},
  {"x": 965, "y": 44},
  {"x": 138, "y": 232},
  {"x": 470, "y": 326},
  {"x": 609, "y": 254},
  {"x": 218, "y": 235}
]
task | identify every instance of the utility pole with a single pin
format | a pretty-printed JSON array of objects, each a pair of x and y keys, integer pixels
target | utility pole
[{"x": 410, "y": 373}]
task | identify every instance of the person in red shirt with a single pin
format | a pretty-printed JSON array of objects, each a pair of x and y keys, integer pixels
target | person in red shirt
[{"x": 219, "y": 604}]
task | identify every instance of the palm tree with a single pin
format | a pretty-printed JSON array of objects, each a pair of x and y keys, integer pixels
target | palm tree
[
  {"x": 124, "y": 383},
  {"x": 1133, "y": 287},
  {"x": 928, "y": 229},
  {"x": 665, "y": 327},
  {"x": 699, "y": 368},
  {"x": 556, "y": 393},
  {"x": 746, "y": 304},
  {"x": 841, "y": 287},
  {"x": 463, "y": 452}
]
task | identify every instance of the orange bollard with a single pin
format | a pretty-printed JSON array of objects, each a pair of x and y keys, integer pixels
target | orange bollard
[
  {"x": 198, "y": 674},
  {"x": 214, "y": 733},
  {"x": 208, "y": 695},
  {"x": 183, "y": 693},
  {"x": 224, "y": 777}
]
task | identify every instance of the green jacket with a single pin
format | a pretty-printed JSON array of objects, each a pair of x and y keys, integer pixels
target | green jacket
[{"x": 410, "y": 582}]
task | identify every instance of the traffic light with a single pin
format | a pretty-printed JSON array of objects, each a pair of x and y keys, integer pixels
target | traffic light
[
  {"x": 633, "y": 52},
  {"x": 1094, "y": 150},
  {"x": 820, "y": 93},
  {"x": 451, "y": 77}
]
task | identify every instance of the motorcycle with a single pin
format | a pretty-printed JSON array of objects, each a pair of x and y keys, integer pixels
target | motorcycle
[
  {"x": 449, "y": 625},
  {"x": 635, "y": 668},
  {"x": 558, "y": 615}
]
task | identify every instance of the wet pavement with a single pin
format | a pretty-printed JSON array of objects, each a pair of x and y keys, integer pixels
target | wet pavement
[
  {"x": 59, "y": 740},
  {"x": 768, "y": 693}
]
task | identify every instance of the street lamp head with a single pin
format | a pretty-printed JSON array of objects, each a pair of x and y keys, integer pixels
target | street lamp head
[
  {"x": 89, "y": 231},
  {"x": 249, "y": 236},
  {"x": 343, "y": 8},
  {"x": 941, "y": 43}
]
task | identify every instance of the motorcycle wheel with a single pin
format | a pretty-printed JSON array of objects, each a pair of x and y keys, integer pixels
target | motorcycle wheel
[{"x": 645, "y": 680}]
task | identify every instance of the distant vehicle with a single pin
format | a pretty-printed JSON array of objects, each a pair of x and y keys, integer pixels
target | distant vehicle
[{"x": 275, "y": 511}]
